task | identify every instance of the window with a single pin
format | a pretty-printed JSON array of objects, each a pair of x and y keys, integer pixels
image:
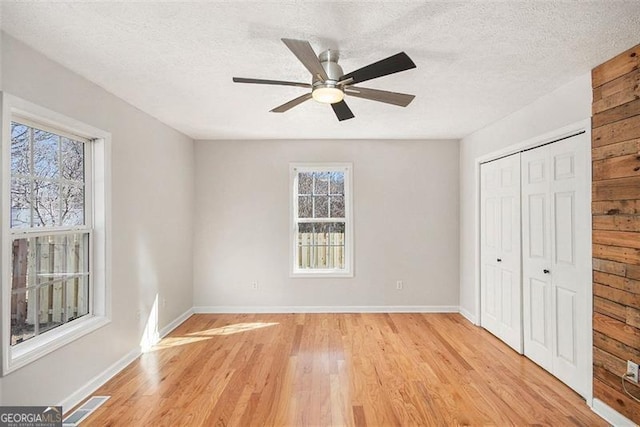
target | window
[
  {"x": 55, "y": 212},
  {"x": 50, "y": 245},
  {"x": 321, "y": 226}
]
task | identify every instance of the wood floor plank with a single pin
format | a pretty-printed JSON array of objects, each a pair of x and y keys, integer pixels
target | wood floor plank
[
  {"x": 336, "y": 370},
  {"x": 358, "y": 416}
]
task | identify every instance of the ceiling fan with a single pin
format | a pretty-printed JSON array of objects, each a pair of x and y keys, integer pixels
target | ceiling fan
[{"x": 329, "y": 84}]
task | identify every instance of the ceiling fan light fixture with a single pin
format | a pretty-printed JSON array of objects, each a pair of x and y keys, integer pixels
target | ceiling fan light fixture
[{"x": 327, "y": 94}]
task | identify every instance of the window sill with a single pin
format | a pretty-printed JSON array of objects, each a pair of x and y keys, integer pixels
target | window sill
[
  {"x": 33, "y": 349},
  {"x": 321, "y": 274}
]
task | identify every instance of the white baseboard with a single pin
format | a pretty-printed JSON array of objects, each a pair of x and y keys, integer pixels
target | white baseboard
[
  {"x": 175, "y": 323},
  {"x": 95, "y": 383},
  {"x": 610, "y": 415},
  {"x": 100, "y": 379},
  {"x": 219, "y": 309},
  {"x": 467, "y": 314}
]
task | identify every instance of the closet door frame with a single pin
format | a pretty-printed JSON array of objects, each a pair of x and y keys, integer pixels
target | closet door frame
[{"x": 583, "y": 126}]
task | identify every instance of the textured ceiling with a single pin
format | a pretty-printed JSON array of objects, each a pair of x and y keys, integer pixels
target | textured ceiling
[{"x": 477, "y": 61}]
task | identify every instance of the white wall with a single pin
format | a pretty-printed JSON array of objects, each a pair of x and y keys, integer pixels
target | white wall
[
  {"x": 566, "y": 105},
  {"x": 405, "y": 224},
  {"x": 152, "y": 199}
]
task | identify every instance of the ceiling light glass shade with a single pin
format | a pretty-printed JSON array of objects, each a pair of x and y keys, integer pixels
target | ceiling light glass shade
[{"x": 328, "y": 95}]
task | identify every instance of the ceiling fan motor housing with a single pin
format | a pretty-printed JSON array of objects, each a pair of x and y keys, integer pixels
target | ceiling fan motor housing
[
  {"x": 329, "y": 61},
  {"x": 328, "y": 91}
]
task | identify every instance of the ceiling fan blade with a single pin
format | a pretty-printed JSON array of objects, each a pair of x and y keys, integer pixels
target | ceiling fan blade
[
  {"x": 342, "y": 110},
  {"x": 395, "y": 98},
  {"x": 304, "y": 52},
  {"x": 289, "y": 105},
  {"x": 269, "y": 82},
  {"x": 393, "y": 64}
]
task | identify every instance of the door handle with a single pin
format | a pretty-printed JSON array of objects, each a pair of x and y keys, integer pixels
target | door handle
[
  {"x": 545, "y": 271},
  {"x": 499, "y": 260}
]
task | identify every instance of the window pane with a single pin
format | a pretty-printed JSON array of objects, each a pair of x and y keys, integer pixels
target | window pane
[
  {"x": 72, "y": 205},
  {"x": 321, "y": 185},
  {"x": 72, "y": 160},
  {"x": 60, "y": 255},
  {"x": 45, "y": 154},
  {"x": 19, "y": 276},
  {"x": 305, "y": 207},
  {"x": 337, "y": 231},
  {"x": 23, "y": 314},
  {"x": 55, "y": 270},
  {"x": 337, "y": 206},
  {"x": 51, "y": 312},
  {"x": 337, "y": 183},
  {"x": 39, "y": 159},
  {"x": 321, "y": 246},
  {"x": 305, "y": 182},
  {"x": 46, "y": 208},
  {"x": 20, "y": 163},
  {"x": 20, "y": 203},
  {"x": 77, "y": 297},
  {"x": 305, "y": 227},
  {"x": 320, "y": 206}
]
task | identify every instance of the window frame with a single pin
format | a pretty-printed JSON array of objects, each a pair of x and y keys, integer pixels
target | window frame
[
  {"x": 97, "y": 160},
  {"x": 294, "y": 169}
]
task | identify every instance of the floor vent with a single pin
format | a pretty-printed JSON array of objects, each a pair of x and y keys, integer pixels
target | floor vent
[{"x": 77, "y": 416}]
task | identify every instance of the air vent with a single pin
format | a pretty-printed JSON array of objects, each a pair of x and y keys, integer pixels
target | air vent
[{"x": 77, "y": 416}]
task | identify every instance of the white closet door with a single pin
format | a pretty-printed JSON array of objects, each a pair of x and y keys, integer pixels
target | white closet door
[
  {"x": 536, "y": 257},
  {"x": 556, "y": 273},
  {"x": 500, "y": 250}
]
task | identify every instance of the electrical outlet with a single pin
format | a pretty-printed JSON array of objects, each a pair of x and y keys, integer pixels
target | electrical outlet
[
  {"x": 632, "y": 371},
  {"x": 399, "y": 285},
  {"x": 254, "y": 285}
]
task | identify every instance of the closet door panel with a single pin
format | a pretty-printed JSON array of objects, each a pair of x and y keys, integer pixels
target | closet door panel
[
  {"x": 564, "y": 215},
  {"x": 501, "y": 312},
  {"x": 556, "y": 259},
  {"x": 571, "y": 259},
  {"x": 536, "y": 225},
  {"x": 536, "y": 258},
  {"x": 565, "y": 321},
  {"x": 539, "y": 313}
]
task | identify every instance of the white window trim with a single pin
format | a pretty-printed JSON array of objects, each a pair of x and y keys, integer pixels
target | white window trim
[
  {"x": 348, "y": 270},
  {"x": 24, "y": 353}
]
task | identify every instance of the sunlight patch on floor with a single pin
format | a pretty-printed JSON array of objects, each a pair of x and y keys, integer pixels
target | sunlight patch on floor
[
  {"x": 233, "y": 329},
  {"x": 194, "y": 337},
  {"x": 177, "y": 341}
]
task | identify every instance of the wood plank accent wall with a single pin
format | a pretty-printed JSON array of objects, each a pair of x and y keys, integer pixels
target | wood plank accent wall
[{"x": 616, "y": 228}]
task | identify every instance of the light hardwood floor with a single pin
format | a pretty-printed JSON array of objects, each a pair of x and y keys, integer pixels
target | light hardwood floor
[{"x": 336, "y": 369}]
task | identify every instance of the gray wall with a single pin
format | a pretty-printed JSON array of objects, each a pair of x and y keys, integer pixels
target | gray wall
[
  {"x": 152, "y": 200},
  {"x": 405, "y": 224}
]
